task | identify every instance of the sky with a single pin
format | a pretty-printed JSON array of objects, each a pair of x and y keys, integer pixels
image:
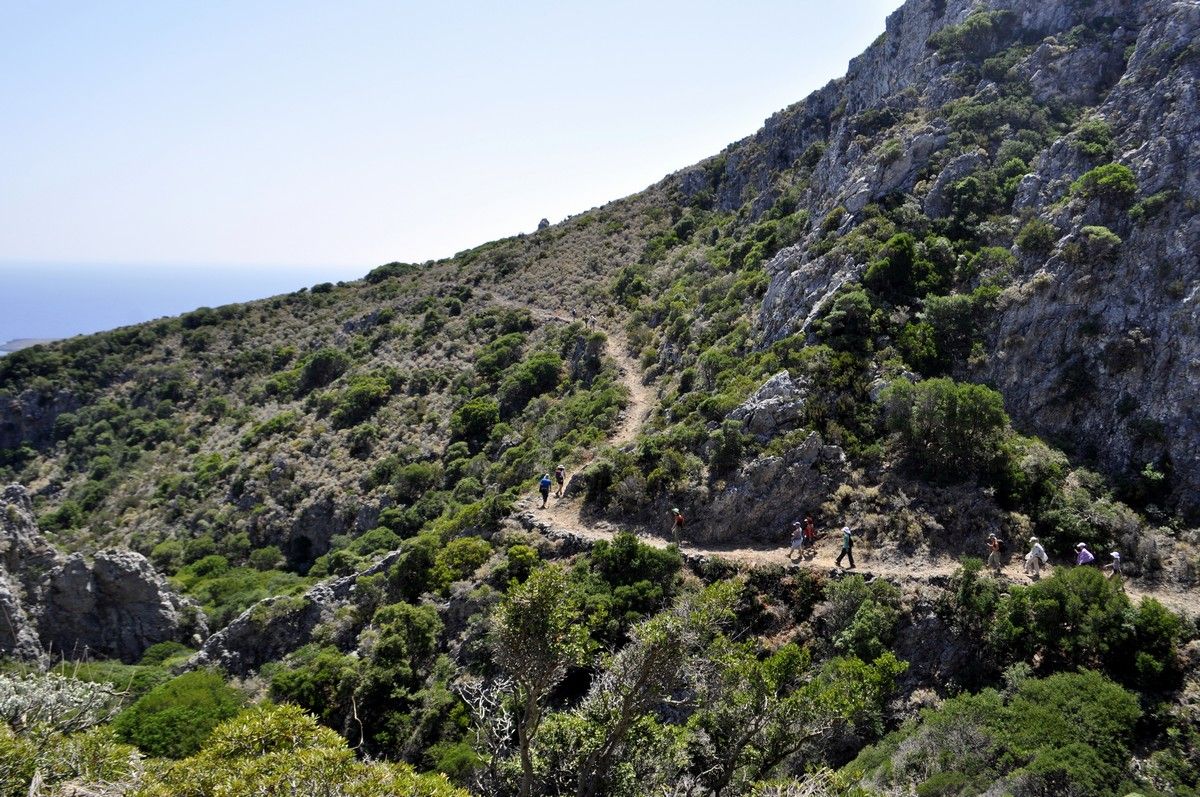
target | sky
[{"x": 338, "y": 136}]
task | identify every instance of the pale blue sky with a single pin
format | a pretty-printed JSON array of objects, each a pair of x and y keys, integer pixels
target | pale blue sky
[{"x": 347, "y": 134}]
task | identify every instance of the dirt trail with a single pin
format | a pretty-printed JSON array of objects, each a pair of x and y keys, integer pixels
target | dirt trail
[{"x": 562, "y": 516}]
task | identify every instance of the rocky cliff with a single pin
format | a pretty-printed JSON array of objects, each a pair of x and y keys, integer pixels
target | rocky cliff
[
  {"x": 1095, "y": 342},
  {"x": 116, "y": 606}
]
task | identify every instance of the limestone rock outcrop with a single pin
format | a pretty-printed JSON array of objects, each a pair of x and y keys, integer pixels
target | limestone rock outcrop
[{"x": 115, "y": 606}]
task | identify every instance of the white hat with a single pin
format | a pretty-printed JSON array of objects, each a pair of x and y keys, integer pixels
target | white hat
[
  {"x": 1081, "y": 545},
  {"x": 1115, "y": 554},
  {"x": 845, "y": 529},
  {"x": 1033, "y": 539}
]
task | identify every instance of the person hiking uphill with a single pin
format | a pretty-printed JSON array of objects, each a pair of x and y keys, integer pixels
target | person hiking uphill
[
  {"x": 994, "y": 548},
  {"x": 1082, "y": 555},
  {"x": 847, "y": 547},
  {"x": 810, "y": 534},
  {"x": 544, "y": 488},
  {"x": 560, "y": 477},
  {"x": 1113, "y": 568},
  {"x": 677, "y": 526},
  {"x": 1035, "y": 559}
]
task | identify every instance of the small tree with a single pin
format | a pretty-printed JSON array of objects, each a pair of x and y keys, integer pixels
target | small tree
[{"x": 537, "y": 635}]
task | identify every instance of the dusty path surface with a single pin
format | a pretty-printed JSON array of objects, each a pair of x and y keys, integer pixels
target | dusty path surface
[{"x": 563, "y": 518}]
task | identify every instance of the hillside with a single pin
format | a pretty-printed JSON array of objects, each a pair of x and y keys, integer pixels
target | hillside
[{"x": 951, "y": 294}]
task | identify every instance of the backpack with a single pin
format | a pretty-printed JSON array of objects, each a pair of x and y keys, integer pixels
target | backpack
[{"x": 544, "y": 483}]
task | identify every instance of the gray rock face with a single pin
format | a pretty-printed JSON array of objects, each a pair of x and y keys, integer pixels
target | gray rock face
[
  {"x": 775, "y": 407},
  {"x": 1096, "y": 351},
  {"x": 116, "y": 607},
  {"x": 770, "y": 492},
  {"x": 274, "y": 627}
]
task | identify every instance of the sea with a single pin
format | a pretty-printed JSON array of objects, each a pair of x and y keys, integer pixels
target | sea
[{"x": 49, "y": 301}]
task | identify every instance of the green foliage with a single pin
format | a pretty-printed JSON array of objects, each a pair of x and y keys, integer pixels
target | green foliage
[
  {"x": 57, "y": 759},
  {"x": 459, "y": 559},
  {"x": 473, "y": 421},
  {"x": 1037, "y": 237},
  {"x": 950, "y": 430},
  {"x": 279, "y": 751},
  {"x": 175, "y": 718},
  {"x": 362, "y": 397},
  {"x": 283, "y": 423},
  {"x": 1093, "y": 138},
  {"x": 980, "y": 35},
  {"x": 1113, "y": 182},
  {"x": 1069, "y": 731},
  {"x": 862, "y": 617},
  {"x": 1078, "y": 618},
  {"x": 847, "y": 325},
  {"x": 624, "y": 581},
  {"x": 1146, "y": 209}
]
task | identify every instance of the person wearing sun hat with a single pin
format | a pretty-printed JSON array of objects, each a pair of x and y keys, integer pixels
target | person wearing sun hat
[
  {"x": 1082, "y": 555},
  {"x": 1113, "y": 568},
  {"x": 1035, "y": 558}
]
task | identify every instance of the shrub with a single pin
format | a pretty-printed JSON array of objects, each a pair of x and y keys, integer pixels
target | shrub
[
  {"x": 53, "y": 703},
  {"x": 459, "y": 559},
  {"x": 1112, "y": 181},
  {"x": 1037, "y": 237},
  {"x": 280, "y": 751},
  {"x": 322, "y": 367},
  {"x": 981, "y": 34},
  {"x": 365, "y": 394},
  {"x": 473, "y": 421},
  {"x": 174, "y": 719},
  {"x": 950, "y": 430}
]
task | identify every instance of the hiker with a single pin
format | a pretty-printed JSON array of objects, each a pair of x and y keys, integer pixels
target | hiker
[
  {"x": 1113, "y": 568},
  {"x": 544, "y": 488},
  {"x": 1035, "y": 559},
  {"x": 591, "y": 321},
  {"x": 810, "y": 534},
  {"x": 847, "y": 547},
  {"x": 677, "y": 527},
  {"x": 797, "y": 539},
  {"x": 994, "y": 548},
  {"x": 560, "y": 477},
  {"x": 1082, "y": 555}
]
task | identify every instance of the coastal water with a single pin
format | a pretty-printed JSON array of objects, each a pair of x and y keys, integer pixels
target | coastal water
[{"x": 59, "y": 300}]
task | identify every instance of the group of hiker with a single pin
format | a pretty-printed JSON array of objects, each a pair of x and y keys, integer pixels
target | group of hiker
[
  {"x": 804, "y": 541},
  {"x": 1037, "y": 557},
  {"x": 544, "y": 484}
]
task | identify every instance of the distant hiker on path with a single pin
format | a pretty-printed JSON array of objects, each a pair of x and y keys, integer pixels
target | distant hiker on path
[
  {"x": 560, "y": 477},
  {"x": 810, "y": 534},
  {"x": 544, "y": 488},
  {"x": 1035, "y": 559},
  {"x": 677, "y": 526},
  {"x": 1082, "y": 555},
  {"x": 847, "y": 547},
  {"x": 993, "y": 546},
  {"x": 1113, "y": 568},
  {"x": 797, "y": 539},
  {"x": 591, "y": 321}
]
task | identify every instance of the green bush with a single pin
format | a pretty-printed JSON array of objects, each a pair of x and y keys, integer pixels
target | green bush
[
  {"x": 950, "y": 430},
  {"x": 279, "y": 751},
  {"x": 1037, "y": 237},
  {"x": 175, "y": 718},
  {"x": 1112, "y": 181},
  {"x": 473, "y": 421}
]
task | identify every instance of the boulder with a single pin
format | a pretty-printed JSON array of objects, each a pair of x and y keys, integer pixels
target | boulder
[
  {"x": 115, "y": 606},
  {"x": 775, "y": 407}
]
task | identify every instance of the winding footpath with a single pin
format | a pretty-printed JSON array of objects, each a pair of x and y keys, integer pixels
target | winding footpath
[{"x": 563, "y": 519}]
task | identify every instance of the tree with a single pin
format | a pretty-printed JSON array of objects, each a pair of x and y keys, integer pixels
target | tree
[
  {"x": 951, "y": 430},
  {"x": 652, "y": 666},
  {"x": 537, "y": 635}
]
